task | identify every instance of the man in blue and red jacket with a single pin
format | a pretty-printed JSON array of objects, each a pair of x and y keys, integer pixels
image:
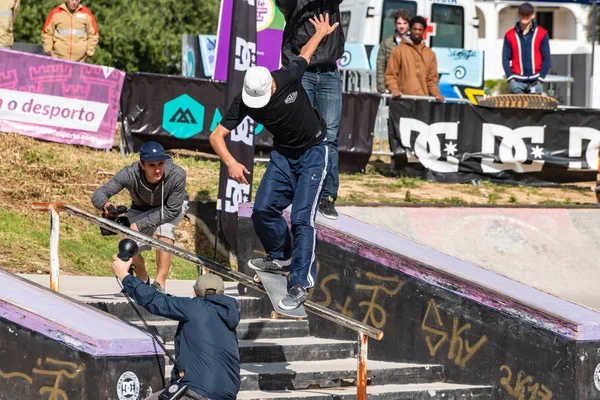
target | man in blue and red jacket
[{"x": 526, "y": 53}]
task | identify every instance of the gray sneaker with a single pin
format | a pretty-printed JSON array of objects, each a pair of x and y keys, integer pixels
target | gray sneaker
[
  {"x": 269, "y": 264},
  {"x": 327, "y": 208},
  {"x": 158, "y": 287},
  {"x": 294, "y": 298}
]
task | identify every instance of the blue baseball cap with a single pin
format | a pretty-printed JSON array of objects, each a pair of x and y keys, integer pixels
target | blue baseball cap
[{"x": 152, "y": 151}]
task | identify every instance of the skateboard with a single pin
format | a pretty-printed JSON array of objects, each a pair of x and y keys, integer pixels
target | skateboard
[
  {"x": 529, "y": 101},
  {"x": 276, "y": 287}
]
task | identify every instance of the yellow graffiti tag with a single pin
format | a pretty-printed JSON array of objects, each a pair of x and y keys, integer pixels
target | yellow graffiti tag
[
  {"x": 372, "y": 304},
  {"x": 55, "y": 392},
  {"x": 459, "y": 349},
  {"x": 523, "y": 385},
  {"x": 15, "y": 375}
]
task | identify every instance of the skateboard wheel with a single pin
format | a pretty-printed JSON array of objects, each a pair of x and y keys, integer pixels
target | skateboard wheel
[
  {"x": 274, "y": 315},
  {"x": 256, "y": 278}
]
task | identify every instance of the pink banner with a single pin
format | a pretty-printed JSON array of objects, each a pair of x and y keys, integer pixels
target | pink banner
[{"x": 57, "y": 100}]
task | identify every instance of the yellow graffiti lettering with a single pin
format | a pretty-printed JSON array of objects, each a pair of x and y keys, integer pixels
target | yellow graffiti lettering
[
  {"x": 438, "y": 320},
  {"x": 15, "y": 375},
  {"x": 547, "y": 393},
  {"x": 372, "y": 304},
  {"x": 55, "y": 392},
  {"x": 457, "y": 340},
  {"x": 459, "y": 349},
  {"x": 323, "y": 286},
  {"x": 524, "y": 383},
  {"x": 344, "y": 310},
  {"x": 505, "y": 381}
]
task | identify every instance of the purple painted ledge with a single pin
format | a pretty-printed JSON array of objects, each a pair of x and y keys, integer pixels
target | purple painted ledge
[
  {"x": 460, "y": 277},
  {"x": 62, "y": 319}
]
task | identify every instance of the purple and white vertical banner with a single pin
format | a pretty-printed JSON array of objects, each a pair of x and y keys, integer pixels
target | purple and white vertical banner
[
  {"x": 269, "y": 35},
  {"x": 57, "y": 100}
]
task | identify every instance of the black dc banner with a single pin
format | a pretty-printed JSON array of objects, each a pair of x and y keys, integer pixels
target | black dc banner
[
  {"x": 181, "y": 112},
  {"x": 355, "y": 137},
  {"x": 453, "y": 143},
  {"x": 242, "y": 55},
  {"x": 177, "y": 112}
]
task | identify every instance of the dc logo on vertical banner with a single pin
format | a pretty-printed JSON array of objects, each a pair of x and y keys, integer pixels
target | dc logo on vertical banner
[
  {"x": 245, "y": 54},
  {"x": 183, "y": 117},
  {"x": 244, "y": 132},
  {"x": 235, "y": 193}
]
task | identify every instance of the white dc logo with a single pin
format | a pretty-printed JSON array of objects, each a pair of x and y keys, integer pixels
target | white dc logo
[
  {"x": 244, "y": 132},
  {"x": 577, "y": 135},
  {"x": 235, "y": 193},
  {"x": 427, "y": 146},
  {"x": 128, "y": 386},
  {"x": 512, "y": 151},
  {"x": 245, "y": 54}
]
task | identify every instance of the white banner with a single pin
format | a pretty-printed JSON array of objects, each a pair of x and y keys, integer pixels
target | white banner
[{"x": 43, "y": 109}]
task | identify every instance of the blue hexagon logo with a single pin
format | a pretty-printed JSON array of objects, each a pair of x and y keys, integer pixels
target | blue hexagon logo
[{"x": 183, "y": 117}]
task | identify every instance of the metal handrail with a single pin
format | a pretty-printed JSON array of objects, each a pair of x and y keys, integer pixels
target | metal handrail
[
  {"x": 429, "y": 98},
  {"x": 364, "y": 331}
]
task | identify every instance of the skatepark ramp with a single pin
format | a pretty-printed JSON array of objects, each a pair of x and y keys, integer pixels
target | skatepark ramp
[
  {"x": 364, "y": 331},
  {"x": 482, "y": 327},
  {"x": 53, "y": 347}
]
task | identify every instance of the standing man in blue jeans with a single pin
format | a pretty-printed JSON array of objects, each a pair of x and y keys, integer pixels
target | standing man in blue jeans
[
  {"x": 526, "y": 53},
  {"x": 297, "y": 169},
  {"x": 322, "y": 80}
]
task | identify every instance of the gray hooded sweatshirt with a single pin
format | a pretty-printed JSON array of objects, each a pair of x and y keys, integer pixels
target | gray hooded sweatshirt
[{"x": 166, "y": 196}]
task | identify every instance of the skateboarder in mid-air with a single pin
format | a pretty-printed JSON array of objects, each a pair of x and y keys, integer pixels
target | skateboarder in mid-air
[{"x": 297, "y": 168}]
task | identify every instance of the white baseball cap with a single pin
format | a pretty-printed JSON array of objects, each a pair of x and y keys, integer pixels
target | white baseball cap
[{"x": 257, "y": 87}]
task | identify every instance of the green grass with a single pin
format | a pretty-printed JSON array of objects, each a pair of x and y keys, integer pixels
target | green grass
[
  {"x": 352, "y": 198},
  {"x": 493, "y": 198},
  {"x": 82, "y": 249}
]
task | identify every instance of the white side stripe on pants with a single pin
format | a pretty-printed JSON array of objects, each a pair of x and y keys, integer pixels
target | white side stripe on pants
[{"x": 311, "y": 281}]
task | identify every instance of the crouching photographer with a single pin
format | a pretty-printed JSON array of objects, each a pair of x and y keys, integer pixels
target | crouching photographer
[
  {"x": 158, "y": 203},
  {"x": 206, "y": 347}
]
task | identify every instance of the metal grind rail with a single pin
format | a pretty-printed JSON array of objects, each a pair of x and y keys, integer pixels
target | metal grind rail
[{"x": 364, "y": 331}]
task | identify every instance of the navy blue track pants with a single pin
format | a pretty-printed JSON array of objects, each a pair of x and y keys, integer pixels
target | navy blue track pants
[{"x": 294, "y": 178}]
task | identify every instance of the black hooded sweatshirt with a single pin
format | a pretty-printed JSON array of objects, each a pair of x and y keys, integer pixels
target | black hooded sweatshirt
[{"x": 206, "y": 346}]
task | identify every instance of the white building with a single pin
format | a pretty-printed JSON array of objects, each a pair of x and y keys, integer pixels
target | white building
[{"x": 567, "y": 26}]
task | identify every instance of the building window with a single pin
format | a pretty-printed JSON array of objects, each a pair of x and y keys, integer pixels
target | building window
[
  {"x": 346, "y": 22},
  {"x": 545, "y": 19},
  {"x": 450, "y": 26}
]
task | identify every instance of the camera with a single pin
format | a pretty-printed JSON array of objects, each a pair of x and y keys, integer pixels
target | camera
[{"x": 116, "y": 215}]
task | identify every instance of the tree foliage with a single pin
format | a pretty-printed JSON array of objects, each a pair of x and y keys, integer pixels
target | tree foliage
[{"x": 135, "y": 35}]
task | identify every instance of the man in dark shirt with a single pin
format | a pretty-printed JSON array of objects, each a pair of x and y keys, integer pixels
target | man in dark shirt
[
  {"x": 298, "y": 167},
  {"x": 206, "y": 346}
]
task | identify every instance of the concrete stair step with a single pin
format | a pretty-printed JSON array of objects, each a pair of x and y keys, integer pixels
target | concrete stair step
[
  {"x": 290, "y": 349},
  {"x": 248, "y": 329},
  {"x": 422, "y": 391},
  {"x": 250, "y": 308},
  {"x": 324, "y": 374}
]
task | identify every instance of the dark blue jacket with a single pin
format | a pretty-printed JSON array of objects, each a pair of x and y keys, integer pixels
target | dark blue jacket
[{"x": 206, "y": 346}]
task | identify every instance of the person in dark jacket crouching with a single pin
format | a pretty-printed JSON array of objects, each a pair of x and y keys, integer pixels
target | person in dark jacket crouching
[{"x": 206, "y": 346}]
